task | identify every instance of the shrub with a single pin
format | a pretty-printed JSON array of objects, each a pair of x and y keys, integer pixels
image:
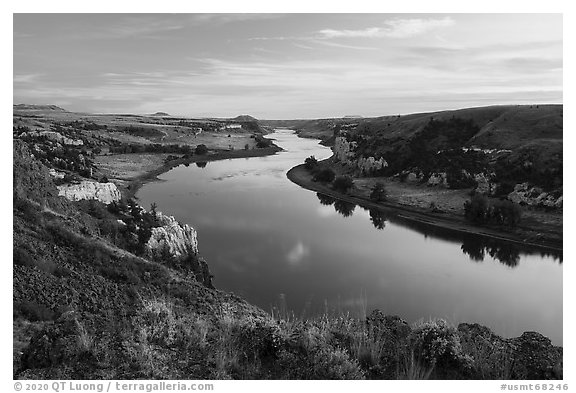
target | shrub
[
  {"x": 379, "y": 192},
  {"x": 156, "y": 323},
  {"x": 435, "y": 342},
  {"x": 343, "y": 183},
  {"x": 334, "y": 363},
  {"x": 201, "y": 150},
  {"x": 476, "y": 210},
  {"x": 505, "y": 213},
  {"x": 480, "y": 211},
  {"x": 324, "y": 175},
  {"x": 97, "y": 209},
  {"x": 310, "y": 163}
]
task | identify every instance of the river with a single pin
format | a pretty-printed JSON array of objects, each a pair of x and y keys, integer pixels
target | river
[{"x": 287, "y": 249}]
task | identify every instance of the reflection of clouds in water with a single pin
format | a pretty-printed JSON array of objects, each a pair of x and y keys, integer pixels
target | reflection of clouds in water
[
  {"x": 232, "y": 224},
  {"x": 325, "y": 211},
  {"x": 297, "y": 253},
  {"x": 251, "y": 173}
]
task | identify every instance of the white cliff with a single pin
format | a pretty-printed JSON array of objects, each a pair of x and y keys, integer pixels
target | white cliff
[
  {"x": 344, "y": 152},
  {"x": 103, "y": 192},
  {"x": 534, "y": 196},
  {"x": 179, "y": 240}
]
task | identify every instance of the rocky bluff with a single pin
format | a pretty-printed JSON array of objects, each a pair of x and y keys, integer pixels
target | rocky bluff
[{"x": 102, "y": 192}]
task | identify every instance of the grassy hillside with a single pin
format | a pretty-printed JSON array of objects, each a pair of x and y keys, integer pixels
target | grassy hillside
[{"x": 500, "y": 127}]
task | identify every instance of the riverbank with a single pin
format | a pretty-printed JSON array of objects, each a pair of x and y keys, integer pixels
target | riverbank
[
  {"x": 129, "y": 181},
  {"x": 428, "y": 216}
]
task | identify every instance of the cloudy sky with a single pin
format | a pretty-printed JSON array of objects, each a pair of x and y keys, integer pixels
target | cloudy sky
[{"x": 278, "y": 66}]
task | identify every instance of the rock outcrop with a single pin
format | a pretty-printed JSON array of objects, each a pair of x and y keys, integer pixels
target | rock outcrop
[
  {"x": 526, "y": 194},
  {"x": 438, "y": 179},
  {"x": 171, "y": 236},
  {"x": 103, "y": 192},
  {"x": 344, "y": 152},
  {"x": 55, "y": 174},
  {"x": 484, "y": 184},
  {"x": 56, "y": 137}
]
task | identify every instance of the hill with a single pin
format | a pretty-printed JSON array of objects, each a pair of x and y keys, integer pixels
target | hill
[
  {"x": 244, "y": 118},
  {"x": 499, "y": 127},
  {"x": 43, "y": 108}
]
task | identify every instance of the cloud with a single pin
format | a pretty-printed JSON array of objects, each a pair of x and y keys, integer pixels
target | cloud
[
  {"x": 297, "y": 253},
  {"x": 231, "y": 18},
  {"x": 337, "y": 45},
  {"x": 25, "y": 78},
  {"x": 395, "y": 28}
]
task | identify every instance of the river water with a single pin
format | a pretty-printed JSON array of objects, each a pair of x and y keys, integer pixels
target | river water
[{"x": 283, "y": 247}]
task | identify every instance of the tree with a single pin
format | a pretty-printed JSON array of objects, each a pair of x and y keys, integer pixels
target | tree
[
  {"x": 201, "y": 150},
  {"x": 480, "y": 211},
  {"x": 153, "y": 207},
  {"x": 477, "y": 209},
  {"x": 310, "y": 163},
  {"x": 325, "y": 175},
  {"x": 343, "y": 183},
  {"x": 379, "y": 192}
]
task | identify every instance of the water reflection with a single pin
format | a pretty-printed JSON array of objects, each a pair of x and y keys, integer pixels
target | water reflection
[
  {"x": 378, "y": 218},
  {"x": 505, "y": 253},
  {"x": 324, "y": 199},
  {"x": 201, "y": 164},
  {"x": 344, "y": 208},
  {"x": 476, "y": 247}
]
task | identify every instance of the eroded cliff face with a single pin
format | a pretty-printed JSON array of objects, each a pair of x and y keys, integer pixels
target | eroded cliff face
[
  {"x": 344, "y": 152},
  {"x": 526, "y": 194},
  {"x": 171, "y": 236},
  {"x": 179, "y": 243},
  {"x": 102, "y": 192}
]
